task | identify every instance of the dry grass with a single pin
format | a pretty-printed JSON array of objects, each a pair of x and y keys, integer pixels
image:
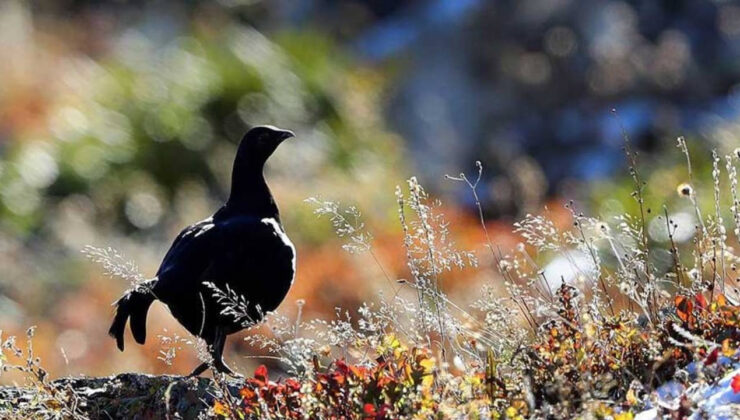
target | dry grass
[{"x": 597, "y": 344}]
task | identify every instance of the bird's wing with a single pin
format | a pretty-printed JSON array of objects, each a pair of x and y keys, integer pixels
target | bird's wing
[
  {"x": 187, "y": 239},
  {"x": 225, "y": 249}
]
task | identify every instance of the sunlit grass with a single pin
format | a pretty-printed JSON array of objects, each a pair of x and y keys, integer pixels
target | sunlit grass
[{"x": 587, "y": 319}]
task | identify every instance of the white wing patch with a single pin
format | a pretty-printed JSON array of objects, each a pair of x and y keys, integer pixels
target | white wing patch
[
  {"x": 280, "y": 233},
  {"x": 205, "y": 228}
]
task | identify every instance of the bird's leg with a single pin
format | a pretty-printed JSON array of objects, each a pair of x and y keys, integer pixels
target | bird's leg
[
  {"x": 218, "y": 349},
  {"x": 217, "y": 353},
  {"x": 200, "y": 369}
]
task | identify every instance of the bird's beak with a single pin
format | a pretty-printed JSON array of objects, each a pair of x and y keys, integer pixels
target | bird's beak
[{"x": 286, "y": 134}]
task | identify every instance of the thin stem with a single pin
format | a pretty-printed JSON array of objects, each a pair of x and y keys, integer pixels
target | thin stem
[
  {"x": 496, "y": 258},
  {"x": 674, "y": 249},
  {"x": 410, "y": 260},
  {"x": 638, "y": 193}
]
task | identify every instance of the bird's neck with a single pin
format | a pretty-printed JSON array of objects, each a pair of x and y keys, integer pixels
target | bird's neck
[{"x": 250, "y": 194}]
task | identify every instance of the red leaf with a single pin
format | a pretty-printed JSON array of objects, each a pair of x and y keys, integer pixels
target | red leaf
[
  {"x": 292, "y": 384},
  {"x": 701, "y": 301},
  {"x": 712, "y": 358},
  {"x": 342, "y": 366},
  {"x": 359, "y": 372},
  {"x": 369, "y": 409},
  {"x": 339, "y": 378},
  {"x": 247, "y": 393},
  {"x": 261, "y": 373},
  {"x": 683, "y": 308},
  {"x": 735, "y": 384}
]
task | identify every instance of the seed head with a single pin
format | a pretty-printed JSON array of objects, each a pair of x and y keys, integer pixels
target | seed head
[
  {"x": 685, "y": 190},
  {"x": 624, "y": 288}
]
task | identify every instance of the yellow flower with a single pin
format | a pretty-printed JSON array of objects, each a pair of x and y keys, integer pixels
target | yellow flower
[
  {"x": 474, "y": 380},
  {"x": 220, "y": 409},
  {"x": 591, "y": 330},
  {"x": 631, "y": 397},
  {"x": 427, "y": 364}
]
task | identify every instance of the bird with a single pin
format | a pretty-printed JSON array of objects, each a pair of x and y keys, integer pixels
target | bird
[{"x": 224, "y": 273}]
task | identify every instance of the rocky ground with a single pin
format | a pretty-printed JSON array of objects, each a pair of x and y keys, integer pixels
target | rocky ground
[
  {"x": 125, "y": 396},
  {"x": 139, "y": 396}
]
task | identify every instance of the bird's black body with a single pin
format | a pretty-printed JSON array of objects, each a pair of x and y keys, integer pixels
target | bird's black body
[{"x": 241, "y": 250}]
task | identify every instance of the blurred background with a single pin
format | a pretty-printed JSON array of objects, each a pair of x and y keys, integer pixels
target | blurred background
[{"x": 119, "y": 121}]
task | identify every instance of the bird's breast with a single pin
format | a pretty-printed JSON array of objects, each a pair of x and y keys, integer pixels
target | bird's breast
[{"x": 280, "y": 234}]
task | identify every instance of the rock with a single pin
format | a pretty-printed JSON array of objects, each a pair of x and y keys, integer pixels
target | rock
[{"x": 125, "y": 396}]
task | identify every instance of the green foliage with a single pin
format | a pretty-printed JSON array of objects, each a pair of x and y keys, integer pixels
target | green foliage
[{"x": 135, "y": 126}]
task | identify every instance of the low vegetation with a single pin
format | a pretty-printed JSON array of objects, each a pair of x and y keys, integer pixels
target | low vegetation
[{"x": 635, "y": 310}]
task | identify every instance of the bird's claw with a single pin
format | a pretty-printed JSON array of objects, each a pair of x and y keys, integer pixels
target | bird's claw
[
  {"x": 197, "y": 371},
  {"x": 225, "y": 370},
  {"x": 235, "y": 375}
]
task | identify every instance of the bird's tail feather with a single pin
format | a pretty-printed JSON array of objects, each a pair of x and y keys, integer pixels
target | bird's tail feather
[{"x": 135, "y": 305}]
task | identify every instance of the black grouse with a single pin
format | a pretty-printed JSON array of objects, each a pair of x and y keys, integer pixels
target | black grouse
[{"x": 241, "y": 250}]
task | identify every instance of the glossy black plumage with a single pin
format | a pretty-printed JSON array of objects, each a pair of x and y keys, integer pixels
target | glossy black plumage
[{"x": 242, "y": 248}]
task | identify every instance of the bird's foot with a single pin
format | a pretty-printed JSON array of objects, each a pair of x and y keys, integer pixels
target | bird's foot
[
  {"x": 197, "y": 371},
  {"x": 223, "y": 368},
  {"x": 236, "y": 375}
]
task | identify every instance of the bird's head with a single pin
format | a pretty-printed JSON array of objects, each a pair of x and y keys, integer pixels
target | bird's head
[{"x": 260, "y": 142}]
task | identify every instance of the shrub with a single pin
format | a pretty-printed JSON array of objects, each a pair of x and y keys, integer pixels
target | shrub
[{"x": 598, "y": 344}]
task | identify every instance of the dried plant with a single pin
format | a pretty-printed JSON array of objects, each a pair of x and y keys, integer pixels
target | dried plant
[
  {"x": 234, "y": 304},
  {"x": 347, "y": 224},
  {"x": 171, "y": 345},
  {"x": 114, "y": 264},
  {"x": 50, "y": 400},
  {"x": 599, "y": 342}
]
